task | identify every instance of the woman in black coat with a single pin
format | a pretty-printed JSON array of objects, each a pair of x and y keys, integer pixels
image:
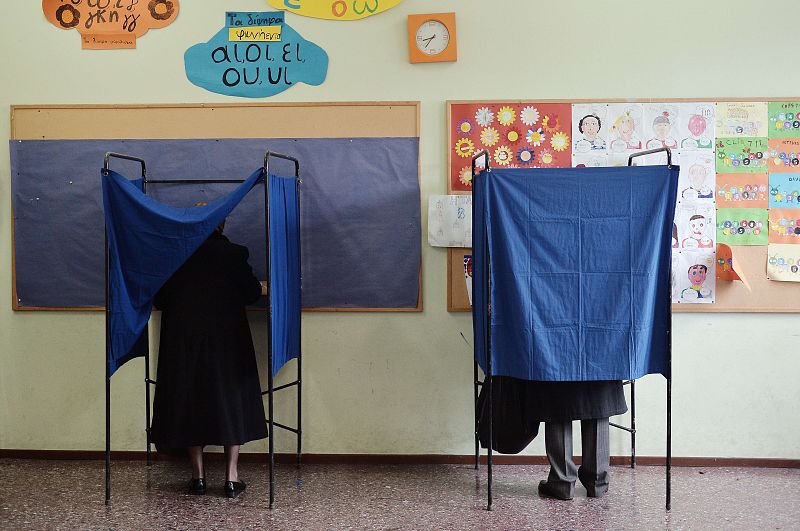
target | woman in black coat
[{"x": 208, "y": 390}]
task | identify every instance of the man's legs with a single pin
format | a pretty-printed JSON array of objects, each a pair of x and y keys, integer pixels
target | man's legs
[
  {"x": 558, "y": 444},
  {"x": 593, "y": 472}
]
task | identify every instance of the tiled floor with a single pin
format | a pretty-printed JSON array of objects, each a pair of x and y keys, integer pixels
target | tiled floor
[{"x": 69, "y": 495}]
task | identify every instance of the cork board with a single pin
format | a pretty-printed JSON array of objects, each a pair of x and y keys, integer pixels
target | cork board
[
  {"x": 759, "y": 295},
  {"x": 221, "y": 121}
]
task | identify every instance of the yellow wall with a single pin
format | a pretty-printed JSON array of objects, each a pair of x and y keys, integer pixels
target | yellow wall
[{"x": 401, "y": 383}]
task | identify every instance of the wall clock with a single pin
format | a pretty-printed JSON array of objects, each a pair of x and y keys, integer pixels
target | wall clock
[{"x": 432, "y": 38}]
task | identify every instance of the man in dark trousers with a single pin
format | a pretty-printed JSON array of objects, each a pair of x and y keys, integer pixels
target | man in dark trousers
[{"x": 208, "y": 390}]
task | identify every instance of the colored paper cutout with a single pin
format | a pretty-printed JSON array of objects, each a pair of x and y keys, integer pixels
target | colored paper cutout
[
  {"x": 784, "y": 190},
  {"x": 743, "y": 190},
  {"x": 523, "y": 135},
  {"x": 783, "y": 262},
  {"x": 742, "y": 226},
  {"x": 255, "y": 69},
  {"x": 741, "y": 119},
  {"x": 335, "y": 9},
  {"x": 784, "y": 119},
  {"x": 726, "y": 264},
  {"x": 784, "y": 225},
  {"x": 784, "y": 155},
  {"x": 107, "y": 25},
  {"x": 742, "y": 155},
  {"x": 692, "y": 280}
]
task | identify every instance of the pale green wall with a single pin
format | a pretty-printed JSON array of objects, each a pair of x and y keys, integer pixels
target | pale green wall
[{"x": 400, "y": 383}]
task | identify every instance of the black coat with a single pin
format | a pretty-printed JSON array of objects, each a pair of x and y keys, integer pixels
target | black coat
[{"x": 208, "y": 391}]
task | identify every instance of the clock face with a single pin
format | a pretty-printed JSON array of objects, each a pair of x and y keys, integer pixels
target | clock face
[{"x": 432, "y": 37}]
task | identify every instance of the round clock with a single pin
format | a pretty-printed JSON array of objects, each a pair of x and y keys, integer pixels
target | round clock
[{"x": 432, "y": 37}]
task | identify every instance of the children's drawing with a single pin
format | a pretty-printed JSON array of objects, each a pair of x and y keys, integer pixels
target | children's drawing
[
  {"x": 783, "y": 262},
  {"x": 625, "y": 127},
  {"x": 468, "y": 275},
  {"x": 741, "y": 119},
  {"x": 695, "y": 224},
  {"x": 661, "y": 123},
  {"x": 742, "y": 190},
  {"x": 696, "y": 181},
  {"x": 742, "y": 155},
  {"x": 784, "y": 155},
  {"x": 590, "y": 160},
  {"x": 784, "y": 190},
  {"x": 694, "y": 281},
  {"x": 742, "y": 226},
  {"x": 696, "y": 129},
  {"x": 784, "y": 119},
  {"x": 726, "y": 265},
  {"x": 589, "y": 127},
  {"x": 784, "y": 225}
]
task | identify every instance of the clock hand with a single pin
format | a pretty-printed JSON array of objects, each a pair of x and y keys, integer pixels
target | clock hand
[{"x": 429, "y": 39}]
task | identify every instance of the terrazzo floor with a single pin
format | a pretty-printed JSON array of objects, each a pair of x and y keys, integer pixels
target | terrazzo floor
[{"x": 38, "y": 494}]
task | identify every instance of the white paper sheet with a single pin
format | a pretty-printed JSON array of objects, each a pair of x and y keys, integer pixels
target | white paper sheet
[{"x": 450, "y": 220}]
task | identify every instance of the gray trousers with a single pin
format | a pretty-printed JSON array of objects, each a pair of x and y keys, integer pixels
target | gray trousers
[{"x": 593, "y": 471}]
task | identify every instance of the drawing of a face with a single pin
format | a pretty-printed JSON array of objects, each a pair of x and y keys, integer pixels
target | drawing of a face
[
  {"x": 590, "y": 126},
  {"x": 626, "y": 126},
  {"x": 697, "y": 176},
  {"x": 661, "y": 127},
  {"x": 697, "y": 274},
  {"x": 697, "y": 223},
  {"x": 697, "y": 125}
]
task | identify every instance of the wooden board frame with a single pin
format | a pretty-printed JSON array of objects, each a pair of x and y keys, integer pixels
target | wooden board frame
[
  {"x": 762, "y": 296},
  {"x": 358, "y": 119}
]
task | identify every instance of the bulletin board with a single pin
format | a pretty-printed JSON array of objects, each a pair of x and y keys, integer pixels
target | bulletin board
[
  {"x": 511, "y": 137},
  {"x": 360, "y": 127}
]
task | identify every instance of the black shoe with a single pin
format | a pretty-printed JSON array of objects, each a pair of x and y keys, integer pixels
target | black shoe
[
  {"x": 547, "y": 491},
  {"x": 592, "y": 492},
  {"x": 234, "y": 488},
  {"x": 197, "y": 486}
]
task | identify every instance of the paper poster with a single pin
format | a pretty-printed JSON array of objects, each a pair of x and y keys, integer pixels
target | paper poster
[
  {"x": 695, "y": 226},
  {"x": 590, "y": 160},
  {"x": 783, "y": 262},
  {"x": 742, "y": 155},
  {"x": 726, "y": 265},
  {"x": 261, "y": 67},
  {"x": 661, "y": 122},
  {"x": 625, "y": 127},
  {"x": 696, "y": 182},
  {"x": 784, "y": 225},
  {"x": 696, "y": 129},
  {"x": 335, "y": 9},
  {"x": 742, "y": 226},
  {"x": 743, "y": 190},
  {"x": 106, "y": 24},
  {"x": 516, "y": 135},
  {"x": 741, "y": 119},
  {"x": 450, "y": 220},
  {"x": 694, "y": 281},
  {"x": 468, "y": 275},
  {"x": 784, "y": 119},
  {"x": 784, "y": 155},
  {"x": 589, "y": 128},
  {"x": 784, "y": 190}
]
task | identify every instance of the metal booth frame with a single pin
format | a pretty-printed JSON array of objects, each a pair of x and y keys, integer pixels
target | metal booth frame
[
  {"x": 487, "y": 379},
  {"x": 270, "y": 392}
]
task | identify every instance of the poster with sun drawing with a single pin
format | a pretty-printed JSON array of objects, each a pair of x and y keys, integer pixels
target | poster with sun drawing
[
  {"x": 693, "y": 277},
  {"x": 516, "y": 135}
]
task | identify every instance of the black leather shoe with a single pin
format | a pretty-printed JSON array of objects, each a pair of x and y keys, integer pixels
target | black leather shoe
[
  {"x": 547, "y": 491},
  {"x": 197, "y": 486},
  {"x": 234, "y": 488}
]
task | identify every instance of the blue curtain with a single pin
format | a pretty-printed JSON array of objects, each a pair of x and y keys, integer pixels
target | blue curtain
[
  {"x": 148, "y": 241},
  {"x": 578, "y": 264}
]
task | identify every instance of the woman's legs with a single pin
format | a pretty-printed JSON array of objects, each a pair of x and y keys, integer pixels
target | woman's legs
[
  {"x": 232, "y": 463},
  {"x": 196, "y": 458}
]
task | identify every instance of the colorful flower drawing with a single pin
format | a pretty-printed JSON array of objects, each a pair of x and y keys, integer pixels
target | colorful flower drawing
[
  {"x": 525, "y": 155},
  {"x": 464, "y": 147},
  {"x": 506, "y": 115},
  {"x": 465, "y": 176},
  {"x": 484, "y": 116},
  {"x": 503, "y": 155},
  {"x": 559, "y": 141},
  {"x": 490, "y": 136},
  {"x": 512, "y": 136},
  {"x": 161, "y": 9},
  {"x": 529, "y": 115},
  {"x": 535, "y": 136},
  {"x": 551, "y": 124},
  {"x": 465, "y": 127},
  {"x": 546, "y": 157}
]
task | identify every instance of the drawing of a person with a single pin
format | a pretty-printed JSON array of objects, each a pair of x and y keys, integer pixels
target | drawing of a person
[
  {"x": 697, "y": 276},
  {"x": 624, "y": 127},
  {"x": 674, "y": 236},
  {"x": 698, "y": 188},
  {"x": 661, "y": 129},
  {"x": 697, "y": 128},
  {"x": 589, "y": 126},
  {"x": 697, "y": 240}
]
